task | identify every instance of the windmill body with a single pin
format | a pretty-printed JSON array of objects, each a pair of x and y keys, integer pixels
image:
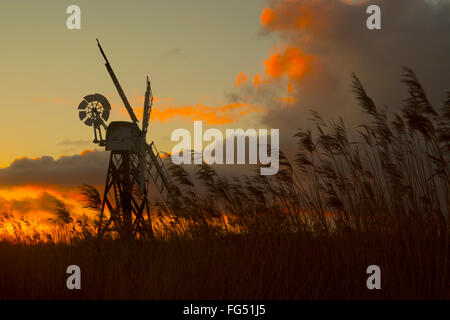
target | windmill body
[
  {"x": 123, "y": 136},
  {"x": 133, "y": 164}
]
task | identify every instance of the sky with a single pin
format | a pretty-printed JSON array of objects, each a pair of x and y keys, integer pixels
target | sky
[
  {"x": 192, "y": 51},
  {"x": 249, "y": 64}
]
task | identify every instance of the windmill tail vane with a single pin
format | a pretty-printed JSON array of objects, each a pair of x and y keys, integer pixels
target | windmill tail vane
[{"x": 133, "y": 163}]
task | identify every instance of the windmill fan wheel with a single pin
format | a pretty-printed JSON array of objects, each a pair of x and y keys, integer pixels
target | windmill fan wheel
[{"x": 94, "y": 109}]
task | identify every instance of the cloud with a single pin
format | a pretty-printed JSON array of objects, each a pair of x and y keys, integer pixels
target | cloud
[
  {"x": 213, "y": 115},
  {"x": 241, "y": 78},
  {"x": 164, "y": 109},
  {"x": 291, "y": 62},
  {"x": 29, "y": 189},
  {"x": 281, "y": 18},
  {"x": 320, "y": 43},
  {"x": 88, "y": 167}
]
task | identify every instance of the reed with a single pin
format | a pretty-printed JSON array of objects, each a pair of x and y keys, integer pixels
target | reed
[{"x": 379, "y": 195}]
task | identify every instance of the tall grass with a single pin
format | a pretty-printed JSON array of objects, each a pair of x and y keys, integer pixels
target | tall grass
[
  {"x": 395, "y": 176},
  {"x": 380, "y": 195}
]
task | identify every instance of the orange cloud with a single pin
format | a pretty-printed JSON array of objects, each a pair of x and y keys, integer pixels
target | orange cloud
[
  {"x": 84, "y": 152},
  {"x": 241, "y": 78},
  {"x": 291, "y": 62},
  {"x": 217, "y": 115},
  {"x": 287, "y": 100},
  {"x": 165, "y": 155},
  {"x": 258, "y": 80},
  {"x": 275, "y": 19},
  {"x": 300, "y": 15},
  {"x": 213, "y": 115},
  {"x": 290, "y": 88}
]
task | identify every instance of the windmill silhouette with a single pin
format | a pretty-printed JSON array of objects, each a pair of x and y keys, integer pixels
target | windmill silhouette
[{"x": 133, "y": 163}]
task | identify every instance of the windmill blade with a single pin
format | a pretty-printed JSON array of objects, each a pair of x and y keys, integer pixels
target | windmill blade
[
  {"x": 118, "y": 87},
  {"x": 83, "y": 104},
  {"x": 103, "y": 101},
  {"x": 158, "y": 172},
  {"x": 105, "y": 115},
  {"x": 82, "y": 115},
  {"x": 148, "y": 102},
  {"x": 89, "y": 122}
]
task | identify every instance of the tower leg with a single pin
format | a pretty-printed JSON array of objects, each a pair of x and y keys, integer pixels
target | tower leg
[
  {"x": 125, "y": 195},
  {"x": 124, "y": 200}
]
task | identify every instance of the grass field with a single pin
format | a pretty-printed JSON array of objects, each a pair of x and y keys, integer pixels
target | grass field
[{"x": 230, "y": 267}]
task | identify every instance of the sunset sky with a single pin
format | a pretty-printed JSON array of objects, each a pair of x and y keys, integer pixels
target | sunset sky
[
  {"x": 192, "y": 52},
  {"x": 249, "y": 64}
]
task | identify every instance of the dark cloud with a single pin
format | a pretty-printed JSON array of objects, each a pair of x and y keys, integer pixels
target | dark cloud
[
  {"x": 90, "y": 168},
  {"x": 414, "y": 34}
]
